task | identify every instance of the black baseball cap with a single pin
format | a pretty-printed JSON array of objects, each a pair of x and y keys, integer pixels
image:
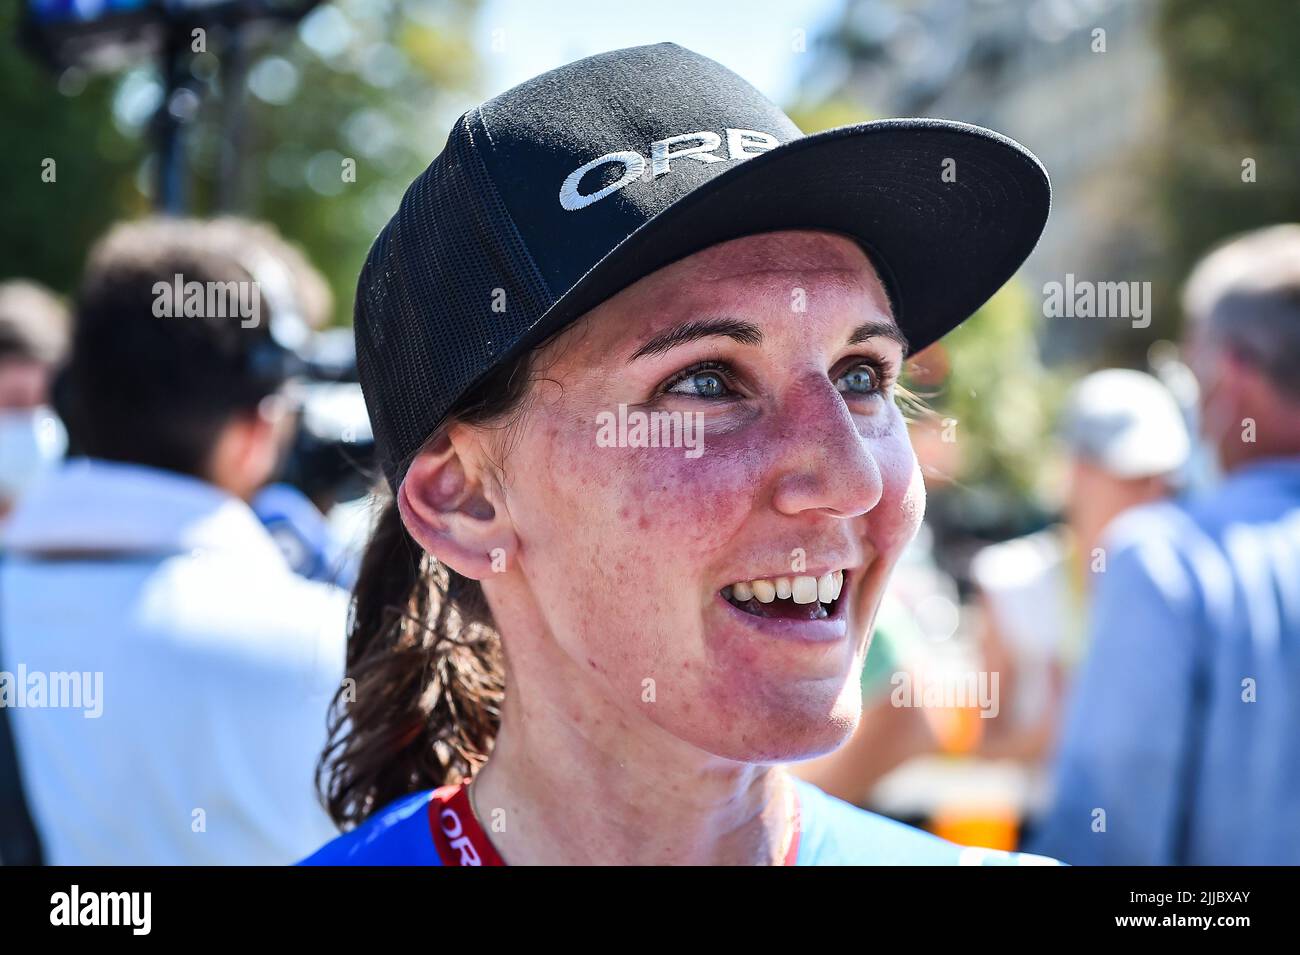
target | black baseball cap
[{"x": 555, "y": 195}]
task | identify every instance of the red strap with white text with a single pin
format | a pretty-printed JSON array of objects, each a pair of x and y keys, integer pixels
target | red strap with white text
[
  {"x": 460, "y": 840},
  {"x": 458, "y": 837}
]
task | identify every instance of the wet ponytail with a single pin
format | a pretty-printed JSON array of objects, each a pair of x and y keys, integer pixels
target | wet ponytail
[{"x": 421, "y": 704}]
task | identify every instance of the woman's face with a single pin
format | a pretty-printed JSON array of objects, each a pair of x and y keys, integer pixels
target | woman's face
[{"x": 769, "y": 363}]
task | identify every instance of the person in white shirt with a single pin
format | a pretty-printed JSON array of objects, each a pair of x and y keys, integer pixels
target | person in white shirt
[
  {"x": 33, "y": 339},
  {"x": 166, "y": 674},
  {"x": 1126, "y": 444}
]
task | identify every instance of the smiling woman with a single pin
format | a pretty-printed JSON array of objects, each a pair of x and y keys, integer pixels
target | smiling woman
[{"x": 569, "y": 650}]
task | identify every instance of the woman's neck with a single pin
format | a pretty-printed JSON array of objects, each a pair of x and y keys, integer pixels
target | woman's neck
[{"x": 582, "y": 782}]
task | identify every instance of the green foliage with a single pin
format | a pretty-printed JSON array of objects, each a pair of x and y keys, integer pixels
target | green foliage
[
  {"x": 385, "y": 101},
  {"x": 1003, "y": 400},
  {"x": 814, "y": 117},
  {"x": 1233, "y": 89},
  {"x": 47, "y": 226},
  {"x": 379, "y": 84}
]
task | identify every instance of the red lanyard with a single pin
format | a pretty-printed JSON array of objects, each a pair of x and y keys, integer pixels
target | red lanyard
[
  {"x": 460, "y": 840},
  {"x": 458, "y": 837}
]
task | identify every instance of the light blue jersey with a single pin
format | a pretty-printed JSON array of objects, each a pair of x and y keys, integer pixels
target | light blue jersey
[{"x": 831, "y": 832}]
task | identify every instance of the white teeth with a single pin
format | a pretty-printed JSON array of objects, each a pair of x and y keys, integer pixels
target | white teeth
[{"x": 803, "y": 590}]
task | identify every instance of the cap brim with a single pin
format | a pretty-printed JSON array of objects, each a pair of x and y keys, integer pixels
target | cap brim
[{"x": 947, "y": 211}]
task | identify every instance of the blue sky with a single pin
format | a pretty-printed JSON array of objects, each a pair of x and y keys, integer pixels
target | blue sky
[{"x": 752, "y": 37}]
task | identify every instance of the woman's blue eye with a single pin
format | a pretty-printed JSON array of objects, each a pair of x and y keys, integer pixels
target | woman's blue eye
[
  {"x": 860, "y": 380},
  {"x": 701, "y": 384}
]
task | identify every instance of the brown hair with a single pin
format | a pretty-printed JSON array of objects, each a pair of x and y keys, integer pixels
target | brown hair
[
  {"x": 156, "y": 391},
  {"x": 420, "y": 707}
]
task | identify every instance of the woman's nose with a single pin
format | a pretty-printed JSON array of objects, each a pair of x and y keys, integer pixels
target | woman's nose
[{"x": 824, "y": 463}]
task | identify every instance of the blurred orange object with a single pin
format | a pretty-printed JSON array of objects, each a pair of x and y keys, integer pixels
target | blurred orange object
[
  {"x": 989, "y": 827},
  {"x": 957, "y": 729}
]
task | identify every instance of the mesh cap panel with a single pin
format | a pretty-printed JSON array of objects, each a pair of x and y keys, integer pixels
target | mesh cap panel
[{"x": 447, "y": 287}]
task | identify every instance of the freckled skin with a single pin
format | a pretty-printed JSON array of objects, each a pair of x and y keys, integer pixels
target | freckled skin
[{"x": 622, "y": 551}]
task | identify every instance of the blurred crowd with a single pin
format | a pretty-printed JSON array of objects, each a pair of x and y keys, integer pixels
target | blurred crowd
[
  {"x": 183, "y": 497},
  {"x": 184, "y": 501}
]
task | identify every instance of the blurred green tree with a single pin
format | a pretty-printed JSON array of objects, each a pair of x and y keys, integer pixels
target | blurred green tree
[
  {"x": 328, "y": 121},
  {"x": 1232, "y": 74},
  {"x": 998, "y": 403},
  {"x": 48, "y": 225}
]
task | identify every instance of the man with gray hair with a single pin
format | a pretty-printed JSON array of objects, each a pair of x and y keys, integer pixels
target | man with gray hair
[{"x": 1181, "y": 744}]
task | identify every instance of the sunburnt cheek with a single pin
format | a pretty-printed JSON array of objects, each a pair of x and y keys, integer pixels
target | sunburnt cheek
[
  {"x": 696, "y": 500},
  {"x": 669, "y": 496},
  {"x": 894, "y": 520}
]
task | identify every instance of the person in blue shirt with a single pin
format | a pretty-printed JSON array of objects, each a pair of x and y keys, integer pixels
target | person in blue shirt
[
  {"x": 629, "y": 349},
  {"x": 1181, "y": 746}
]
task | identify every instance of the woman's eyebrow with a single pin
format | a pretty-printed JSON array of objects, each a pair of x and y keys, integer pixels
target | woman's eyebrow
[
  {"x": 744, "y": 332},
  {"x": 878, "y": 329}
]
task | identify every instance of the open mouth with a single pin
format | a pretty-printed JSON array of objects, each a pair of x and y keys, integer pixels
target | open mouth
[{"x": 788, "y": 598}]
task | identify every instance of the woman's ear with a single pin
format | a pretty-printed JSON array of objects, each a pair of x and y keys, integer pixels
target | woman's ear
[{"x": 452, "y": 507}]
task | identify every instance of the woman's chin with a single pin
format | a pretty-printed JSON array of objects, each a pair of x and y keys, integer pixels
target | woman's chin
[{"x": 767, "y": 731}]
